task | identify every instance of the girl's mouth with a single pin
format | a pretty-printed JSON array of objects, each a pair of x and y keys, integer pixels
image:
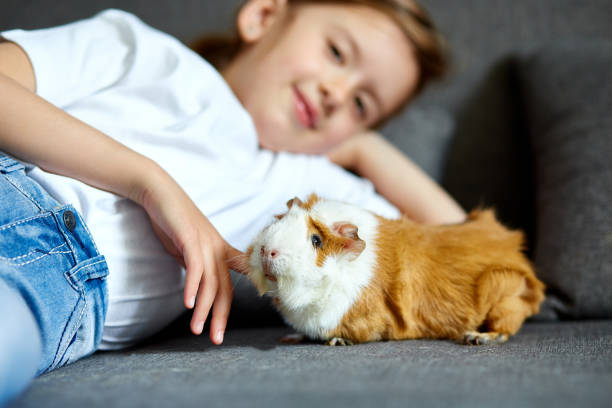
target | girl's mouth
[{"x": 306, "y": 112}]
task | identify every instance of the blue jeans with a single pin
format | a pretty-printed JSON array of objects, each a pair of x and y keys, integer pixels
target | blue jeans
[{"x": 53, "y": 295}]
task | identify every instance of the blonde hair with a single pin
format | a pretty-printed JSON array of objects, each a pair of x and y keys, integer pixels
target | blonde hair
[{"x": 411, "y": 17}]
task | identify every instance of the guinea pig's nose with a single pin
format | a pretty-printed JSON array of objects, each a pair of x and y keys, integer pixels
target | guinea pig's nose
[{"x": 264, "y": 253}]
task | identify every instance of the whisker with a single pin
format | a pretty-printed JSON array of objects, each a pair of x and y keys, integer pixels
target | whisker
[{"x": 239, "y": 263}]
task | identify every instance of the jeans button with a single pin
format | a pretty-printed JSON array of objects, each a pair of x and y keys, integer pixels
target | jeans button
[{"x": 69, "y": 220}]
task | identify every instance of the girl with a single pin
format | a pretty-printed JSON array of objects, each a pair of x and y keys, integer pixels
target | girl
[{"x": 118, "y": 142}]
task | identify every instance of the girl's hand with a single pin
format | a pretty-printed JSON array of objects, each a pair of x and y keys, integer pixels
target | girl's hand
[
  {"x": 108, "y": 165},
  {"x": 188, "y": 235}
]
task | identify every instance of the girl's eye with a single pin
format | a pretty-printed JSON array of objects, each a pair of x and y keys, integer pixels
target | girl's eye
[
  {"x": 361, "y": 109},
  {"x": 336, "y": 53},
  {"x": 316, "y": 241}
]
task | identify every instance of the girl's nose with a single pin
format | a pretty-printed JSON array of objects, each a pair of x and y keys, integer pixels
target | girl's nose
[{"x": 334, "y": 93}]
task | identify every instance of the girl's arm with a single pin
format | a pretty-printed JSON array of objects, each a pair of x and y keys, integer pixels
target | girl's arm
[
  {"x": 398, "y": 179},
  {"x": 38, "y": 132}
]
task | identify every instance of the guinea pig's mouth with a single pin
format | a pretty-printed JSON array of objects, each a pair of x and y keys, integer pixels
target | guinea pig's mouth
[{"x": 266, "y": 270}]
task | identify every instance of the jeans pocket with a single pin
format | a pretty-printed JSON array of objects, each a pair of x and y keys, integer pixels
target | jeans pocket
[
  {"x": 24, "y": 243},
  {"x": 83, "y": 331}
]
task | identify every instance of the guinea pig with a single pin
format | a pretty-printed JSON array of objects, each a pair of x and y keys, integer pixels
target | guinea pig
[{"x": 344, "y": 275}]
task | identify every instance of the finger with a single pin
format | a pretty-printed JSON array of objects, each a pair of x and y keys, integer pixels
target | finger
[
  {"x": 180, "y": 260},
  {"x": 221, "y": 308},
  {"x": 194, "y": 266},
  {"x": 237, "y": 260},
  {"x": 206, "y": 293}
]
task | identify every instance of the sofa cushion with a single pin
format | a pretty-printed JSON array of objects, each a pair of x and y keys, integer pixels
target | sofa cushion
[
  {"x": 422, "y": 132},
  {"x": 558, "y": 364},
  {"x": 567, "y": 95}
]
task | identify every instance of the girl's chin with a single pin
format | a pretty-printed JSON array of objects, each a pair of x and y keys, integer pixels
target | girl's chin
[
  {"x": 273, "y": 144},
  {"x": 273, "y": 134},
  {"x": 288, "y": 136},
  {"x": 279, "y": 141}
]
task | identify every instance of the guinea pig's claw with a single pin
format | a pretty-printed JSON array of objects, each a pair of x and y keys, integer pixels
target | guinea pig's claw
[
  {"x": 339, "y": 341},
  {"x": 476, "y": 338},
  {"x": 294, "y": 338}
]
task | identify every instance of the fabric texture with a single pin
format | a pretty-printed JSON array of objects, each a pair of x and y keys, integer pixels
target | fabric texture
[
  {"x": 567, "y": 96},
  {"x": 48, "y": 259},
  {"x": 556, "y": 364},
  {"x": 156, "y": 96},
  {"x": 20, "y": 344}
]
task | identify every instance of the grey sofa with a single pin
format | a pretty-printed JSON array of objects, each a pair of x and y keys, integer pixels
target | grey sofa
[{"x": 523, "y": 124}]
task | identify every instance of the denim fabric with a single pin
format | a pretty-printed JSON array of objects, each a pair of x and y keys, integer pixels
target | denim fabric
[
  {"x": 20, "y": 346},
  {"x": 48, "y": 259}
]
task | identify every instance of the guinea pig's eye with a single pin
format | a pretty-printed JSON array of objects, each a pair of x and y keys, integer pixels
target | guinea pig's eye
[{"x": 316, "y": 241}]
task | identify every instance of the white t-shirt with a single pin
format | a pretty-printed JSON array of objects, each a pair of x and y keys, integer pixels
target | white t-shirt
[{"x": 147, "y": 90}]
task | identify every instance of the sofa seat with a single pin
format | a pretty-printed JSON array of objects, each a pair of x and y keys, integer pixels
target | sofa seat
[{"x": 560, "y": 364}]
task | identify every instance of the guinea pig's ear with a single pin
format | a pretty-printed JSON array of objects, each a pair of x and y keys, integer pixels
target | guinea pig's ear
[
  {"x": 295, "y": 201},
  {"x": 353, "y": 245}
]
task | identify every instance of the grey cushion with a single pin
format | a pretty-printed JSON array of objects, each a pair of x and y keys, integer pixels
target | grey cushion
[
  {"x": 557, "y": 364},
  {"x": 567, "y": 94},
  {"x": 488, "y": 162},
  {"x": 423, "y": 132}
]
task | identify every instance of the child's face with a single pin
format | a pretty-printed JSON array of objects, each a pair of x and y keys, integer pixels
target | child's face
[{"x": 315, "y": 75}]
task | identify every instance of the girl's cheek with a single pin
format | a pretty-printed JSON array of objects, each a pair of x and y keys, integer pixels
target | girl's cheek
[
  {"x": 346, "y": 128},
  {"x": 335, "y": 138}
]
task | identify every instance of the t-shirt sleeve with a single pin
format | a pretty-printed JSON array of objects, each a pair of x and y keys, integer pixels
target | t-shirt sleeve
[
  {"x": 80, "y": 58},
  {"x": 328, "y": 180}
]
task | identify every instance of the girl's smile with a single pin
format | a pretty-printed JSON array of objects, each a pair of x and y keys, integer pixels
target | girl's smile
[
  {"x": 313, "y": 75},
  {"x": 306, "y": 112}
]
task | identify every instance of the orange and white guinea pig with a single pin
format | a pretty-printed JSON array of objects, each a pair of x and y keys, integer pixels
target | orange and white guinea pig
[{"x": 344, "y": 275}]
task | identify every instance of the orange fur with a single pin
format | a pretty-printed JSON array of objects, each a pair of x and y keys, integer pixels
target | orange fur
[
  {"x": 312, "y": 200},
  {"x": 443, "y": 282},
  {"x": 333, "y": 243}
]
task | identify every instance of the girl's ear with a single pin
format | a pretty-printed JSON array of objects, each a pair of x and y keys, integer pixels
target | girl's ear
[{"x": 257, "y": 16}]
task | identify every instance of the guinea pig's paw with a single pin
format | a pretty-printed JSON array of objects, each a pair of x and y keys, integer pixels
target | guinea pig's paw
[
  {"x": 475, "y": 338},
  {"x": 339, "y": 341},
  {"x": 294, "y": 338}
]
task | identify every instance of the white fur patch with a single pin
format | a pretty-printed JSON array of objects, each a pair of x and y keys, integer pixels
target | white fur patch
[{"x": 314, "y": 299}]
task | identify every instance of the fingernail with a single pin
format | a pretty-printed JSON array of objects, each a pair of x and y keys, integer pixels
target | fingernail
[
  {"x": 219, "y": 336},
  {"x": 200, "y": 327},
  {"x": 192, "y": 302}
]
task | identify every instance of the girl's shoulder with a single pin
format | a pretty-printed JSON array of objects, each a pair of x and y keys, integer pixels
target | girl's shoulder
[{"x": 132, "y": 29}]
